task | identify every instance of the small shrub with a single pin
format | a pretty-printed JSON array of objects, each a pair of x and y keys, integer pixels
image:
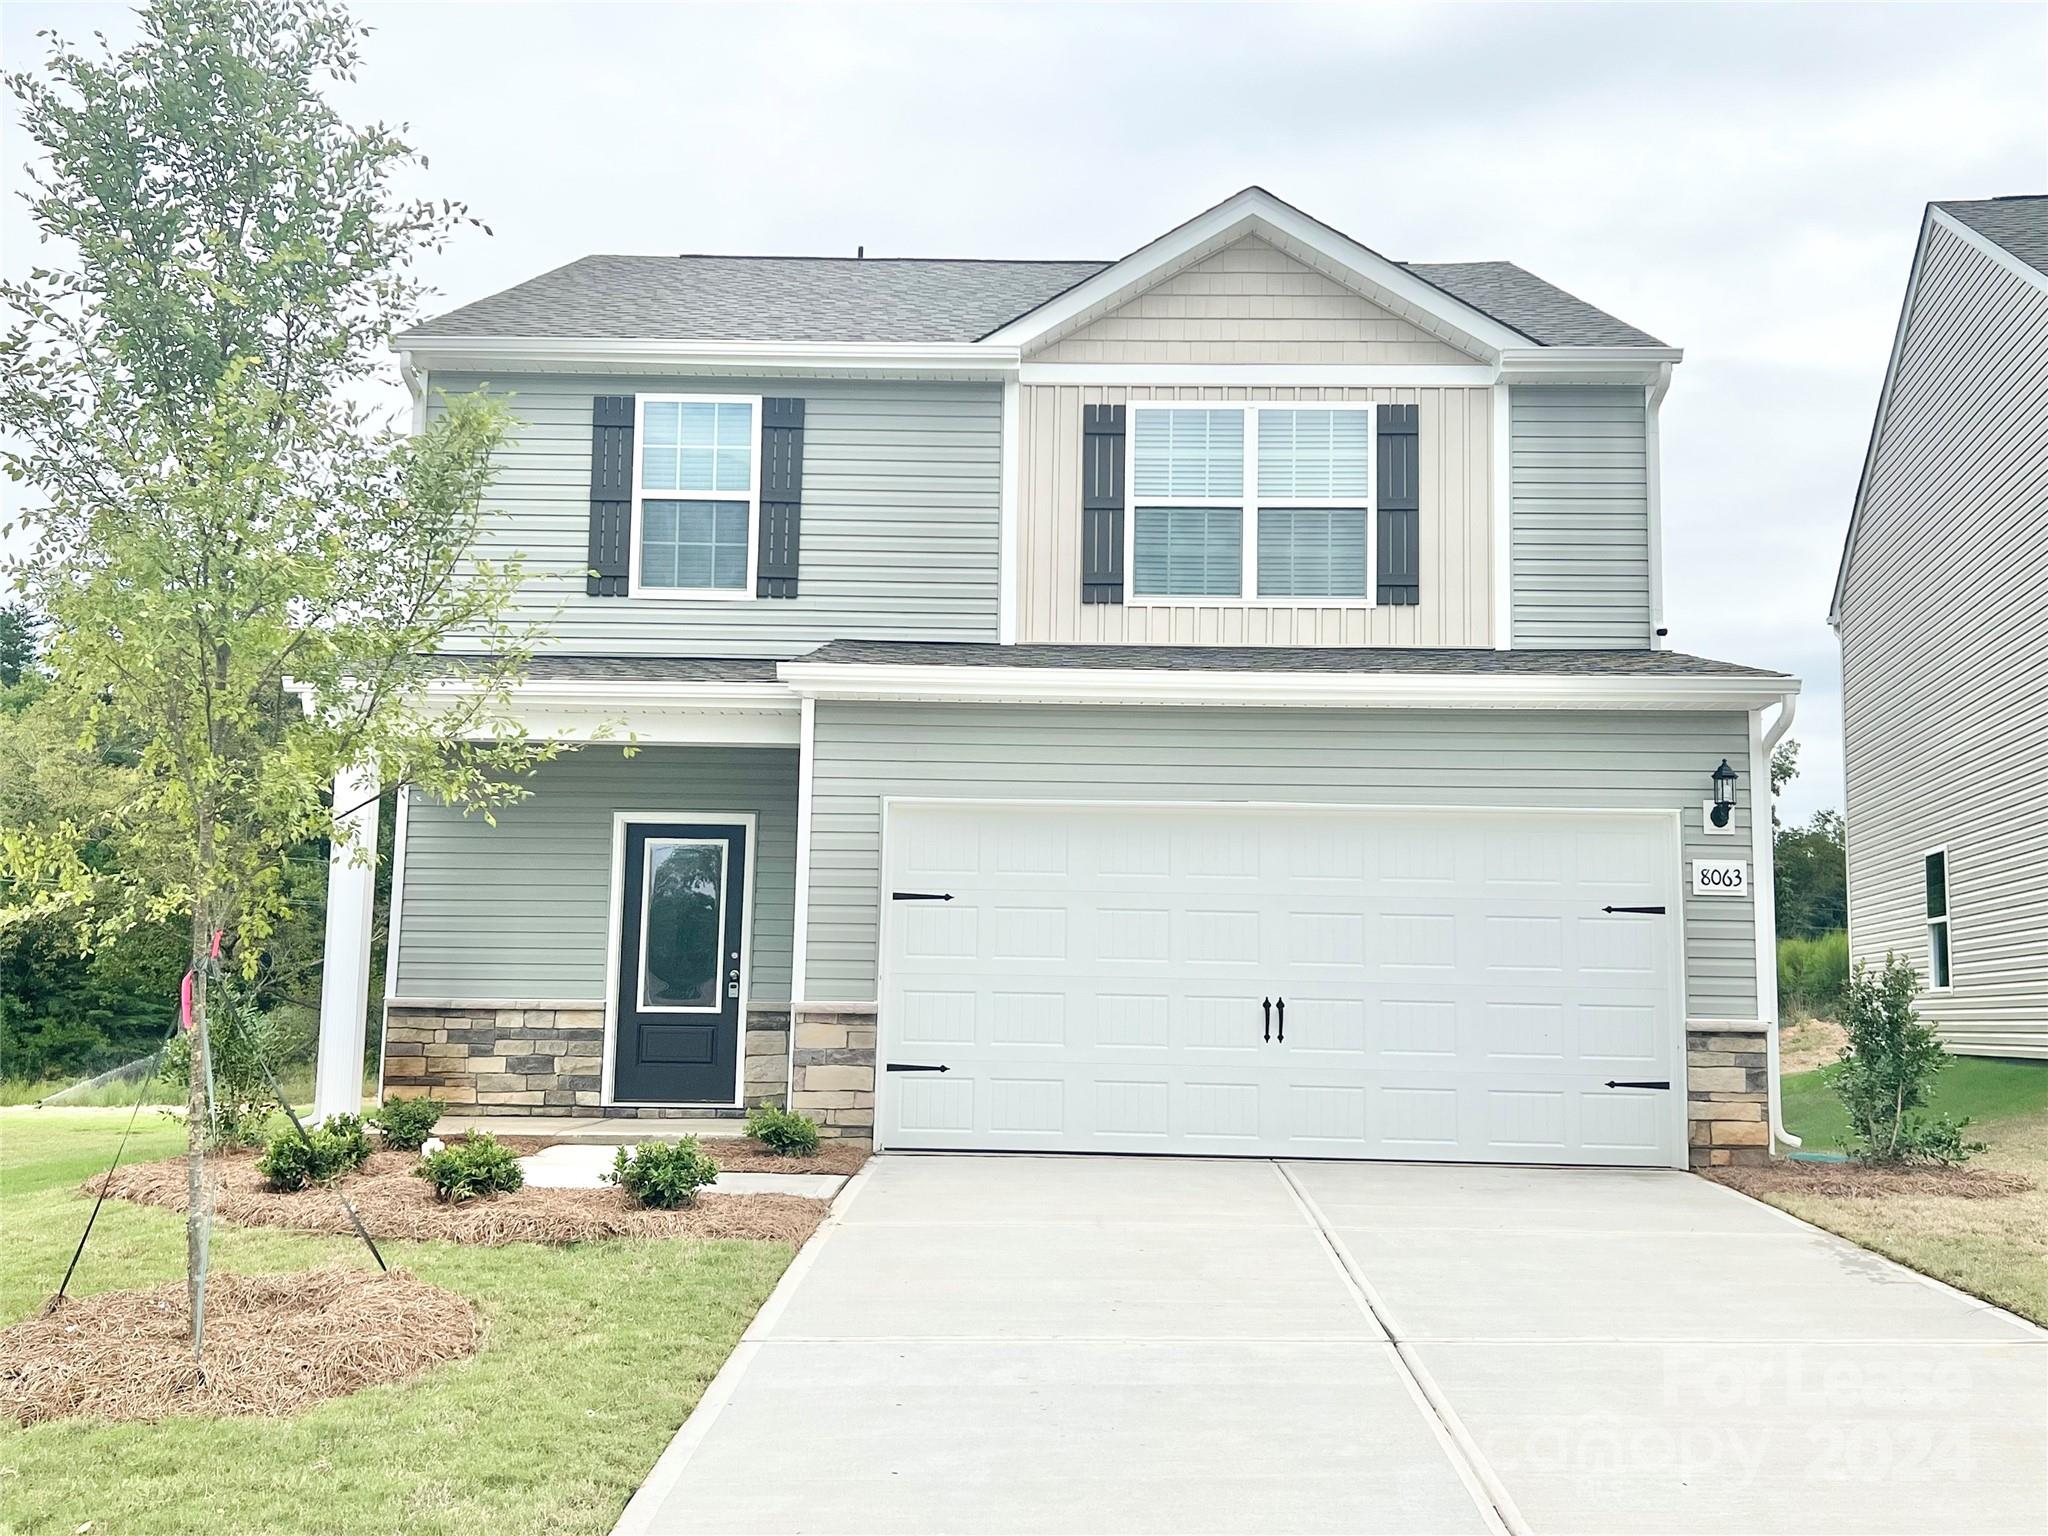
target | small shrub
[
  {"x": 1812, "y": 973},
  {"x": 784, "y": 1131},
  {"x": 1888, "y": 1067},
  {"x": 663, "y": 1173},
  {"x": 481, "y": 1165},
  {"x": 240, "y": 1039},
  {"x": 329, "y": 1150},
  {"x": 407, "y": 1123}
]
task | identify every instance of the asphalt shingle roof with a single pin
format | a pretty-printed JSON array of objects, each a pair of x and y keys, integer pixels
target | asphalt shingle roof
[
  {"x": 555, "y": 666},
  {"x": 2019, "y": 224},
  {"x": 891, "y": 299},
  {"x": 1280, "y": 658}
]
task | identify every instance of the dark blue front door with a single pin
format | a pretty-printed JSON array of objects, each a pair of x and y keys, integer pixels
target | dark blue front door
[{"x": 680, "y": 936}]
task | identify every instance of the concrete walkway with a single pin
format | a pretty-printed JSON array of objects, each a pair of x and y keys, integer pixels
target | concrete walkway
[
  {"x": 1029, "y": 1344},
  {"x": 575, "y": 1165}
]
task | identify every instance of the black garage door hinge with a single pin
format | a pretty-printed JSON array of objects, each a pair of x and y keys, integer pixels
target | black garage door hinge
[
  {"x": 920, "y": 895},
  {"x": 1618, "y": 1083},
  {"x": 1658, "y": 911},
  {"x": 911, "y": 1066}
]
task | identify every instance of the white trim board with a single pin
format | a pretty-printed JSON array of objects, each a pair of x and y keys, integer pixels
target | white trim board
[
  {"x": 613, "y": 921},
  {"x": 1255, "y": 689}
]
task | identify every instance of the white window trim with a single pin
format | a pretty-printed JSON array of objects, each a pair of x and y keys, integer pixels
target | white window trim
[
  {"x": 1250, "y": 503},
  {"x": 641, "y": 495},
  {"x": 1943, "y": 922}
]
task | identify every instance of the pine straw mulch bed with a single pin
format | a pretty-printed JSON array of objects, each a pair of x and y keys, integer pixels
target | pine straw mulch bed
[
  {"x": 1861, "y": 1181},
  {"x": 395, "y": 1202},
  {"x": 736, "y": 1154},
  {"x": 275, "y": 1344}
]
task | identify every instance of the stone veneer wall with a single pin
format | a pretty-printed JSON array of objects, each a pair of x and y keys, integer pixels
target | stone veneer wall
[
  {"x": 834, "y": 1081},
  {"x": 547, "y": 1061},
  {"x": 1727, "y": 1093}
]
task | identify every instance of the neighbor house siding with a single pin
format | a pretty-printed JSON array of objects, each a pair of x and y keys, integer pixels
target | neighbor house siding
[
  {"x": 521, "y": 910},
  {"x": 1456, "y": 607},
  {"x": 1581, "y": 523},
  {"x": 901, "y": 487},
  {"x": 1944, "y": 630},
  {"x": 1249, "y": 303},
  {"x": 865, "y": 752}
]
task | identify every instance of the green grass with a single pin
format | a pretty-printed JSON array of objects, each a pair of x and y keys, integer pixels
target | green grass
[
  {"x": 1981, "y": 1087},
  {"x": 594, "y": 1355}
]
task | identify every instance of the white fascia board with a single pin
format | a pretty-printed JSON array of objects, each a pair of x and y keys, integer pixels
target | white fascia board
[
  {"x": 1589, "y": 365},
  {"x": 1086, "y": 685},
  {"x": 621, "y": 711},
  {"x": 1257, "y": 211},
  {"x": 637, "y": 355}
]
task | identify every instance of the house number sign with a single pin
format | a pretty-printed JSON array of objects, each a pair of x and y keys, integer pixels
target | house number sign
[{"x": 1720, "y": 877}]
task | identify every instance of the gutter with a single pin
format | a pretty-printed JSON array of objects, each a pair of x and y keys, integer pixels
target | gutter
[{"x": 1788, "y": 707}]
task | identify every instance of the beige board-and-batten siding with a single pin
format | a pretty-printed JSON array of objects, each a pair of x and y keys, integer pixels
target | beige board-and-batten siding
[
  {"x": 1456, "y": 606},
  {"x": 902, "y": 486},
  {"x": 866, "y": 752},
  {"x": 1944, "y": 630},
  {"x": 1249, "y": 303}
]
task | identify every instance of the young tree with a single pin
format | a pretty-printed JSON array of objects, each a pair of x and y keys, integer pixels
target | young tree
[
  {"x": 1889, "y": 1064},
  {"x": 246, "y": 577}
]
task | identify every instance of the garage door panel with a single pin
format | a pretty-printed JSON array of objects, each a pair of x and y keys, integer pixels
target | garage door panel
[{"x": 1452, "y": 990}]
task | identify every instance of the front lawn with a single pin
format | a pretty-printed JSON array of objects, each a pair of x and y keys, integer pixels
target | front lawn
[
  {"x": 1994, "y": 1248},
  {"x": 595, "y": 1354}
]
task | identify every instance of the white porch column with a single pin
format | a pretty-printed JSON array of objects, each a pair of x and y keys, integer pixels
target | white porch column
[{"x": 345, "y": 976}]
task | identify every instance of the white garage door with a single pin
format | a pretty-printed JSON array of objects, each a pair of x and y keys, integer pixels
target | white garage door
[{"x": 1343, "y": 983}]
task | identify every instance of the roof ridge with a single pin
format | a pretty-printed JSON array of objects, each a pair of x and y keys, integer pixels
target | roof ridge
[{"x": 1003, "y": 261}]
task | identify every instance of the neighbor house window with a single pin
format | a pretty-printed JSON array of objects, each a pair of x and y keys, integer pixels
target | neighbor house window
[
  {"x": 1292, "y": 527},
  {"x": 696, "y": 493},
  {"x": 1937, "y": 918}
]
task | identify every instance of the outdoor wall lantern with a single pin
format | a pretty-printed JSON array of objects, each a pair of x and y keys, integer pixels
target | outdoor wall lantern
[{"x": 1724, "y": 793}]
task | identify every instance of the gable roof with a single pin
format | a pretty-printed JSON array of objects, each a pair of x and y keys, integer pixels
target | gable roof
[
  {"x": 2012, "y": 231},
  {"x": 894, "y": 300},
  {"x": 2018, "y": 224}
]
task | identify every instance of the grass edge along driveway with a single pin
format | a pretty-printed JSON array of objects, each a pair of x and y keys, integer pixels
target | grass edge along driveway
[
  {"x": 593, "y": 1356},
  {"x": 1994, "y": 1249}
]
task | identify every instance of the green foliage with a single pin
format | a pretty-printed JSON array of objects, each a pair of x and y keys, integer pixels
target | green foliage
[
  {"x": 20, "y": 642},
  {"x": 663, "y": 1173},
  {"x": 241, "y": 1043},
  {"x": 783, "y": 1130},
  {"x": 407, "y": 1123},
  {"x": 326, "y": 1152},
  {"x": 465, "y": 1170},
  {"x": 1887, "y": 1069},
  {"x": 1811, "y": 872},
  {"x": 1813, "y": 972}
]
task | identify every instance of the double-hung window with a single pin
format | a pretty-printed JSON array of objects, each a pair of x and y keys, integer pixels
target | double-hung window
[
  {"x": 1268, "y": 504},
  {"x": 696, "y": 495},
  {"x": 1936, "y": 876}
]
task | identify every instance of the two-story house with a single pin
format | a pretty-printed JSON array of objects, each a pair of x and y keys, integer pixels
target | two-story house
[
  {"x": 1941, "y": 608},
  {"x": 1213, "y": 701}
]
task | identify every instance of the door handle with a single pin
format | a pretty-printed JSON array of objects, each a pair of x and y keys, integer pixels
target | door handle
[
  {"x": 1283, "y": 1021},
  {"x": 1267, "y": 1004}
]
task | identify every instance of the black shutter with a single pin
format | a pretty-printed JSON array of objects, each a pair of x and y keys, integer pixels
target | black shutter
[
  {"x": 782, "y": 489},
  {"x": 611, "y": 496},
  {"x": 1400, "y": 507},
  {"x": 1102, "y": 503}
]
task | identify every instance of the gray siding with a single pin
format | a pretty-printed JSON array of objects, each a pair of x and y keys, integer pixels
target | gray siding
[
  {"x": 520, "y": 909},
  {"x": 1580, "y": 530},
  {"x": 1628, "y": 762},
  {"x": 1944, "y": 631},
  {"x": 901, "y": 487}
]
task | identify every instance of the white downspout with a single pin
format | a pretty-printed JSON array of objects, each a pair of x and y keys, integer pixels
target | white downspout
[
  {"x": 1653, "y": 464},
  {"x": 1763, "y": 860}
]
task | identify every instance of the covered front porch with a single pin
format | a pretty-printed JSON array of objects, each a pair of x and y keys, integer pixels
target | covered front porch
[{"x": 614, "y": 946}]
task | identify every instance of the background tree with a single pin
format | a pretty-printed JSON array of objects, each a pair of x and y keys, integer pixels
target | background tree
[
  {"x": 1810, "y": 863},
  {"x": 246, "y": 577}
]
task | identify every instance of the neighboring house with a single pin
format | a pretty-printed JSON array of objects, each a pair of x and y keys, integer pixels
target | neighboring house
[
  {"x": 1941, "y": 607},
  {"x": 1208, "y": 702}
]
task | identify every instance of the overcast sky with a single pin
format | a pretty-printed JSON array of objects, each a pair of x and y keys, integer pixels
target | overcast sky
[{"x": 1742, "y": 181}]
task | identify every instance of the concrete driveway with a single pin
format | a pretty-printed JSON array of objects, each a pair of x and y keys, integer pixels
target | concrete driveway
[{"x": 1041, "y": 1344}]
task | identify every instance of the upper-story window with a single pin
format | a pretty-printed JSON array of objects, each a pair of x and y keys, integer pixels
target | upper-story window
[
  {"x": 696, "y": 495},
  {"x": 1292, "y": 530}
]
